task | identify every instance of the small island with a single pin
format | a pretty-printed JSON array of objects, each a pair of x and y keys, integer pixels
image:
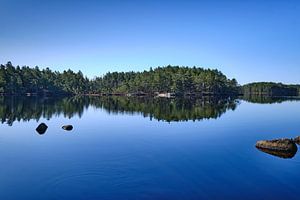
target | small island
[{"x": 271, "y": 89}]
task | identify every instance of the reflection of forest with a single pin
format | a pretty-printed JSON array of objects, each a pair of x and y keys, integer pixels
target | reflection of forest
[
  {"x": 265, "y": 99},
  {"x": 180, "y": 109},
  {"x": 26, "y": 108}
]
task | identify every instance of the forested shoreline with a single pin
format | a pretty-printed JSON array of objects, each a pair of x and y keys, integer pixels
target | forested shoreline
[
  {"x": 25, "y": 80},
  {"x": 270, "y": 89},
  {"x": 175, "y": 80},
  {"x": 165, "y": 81}
]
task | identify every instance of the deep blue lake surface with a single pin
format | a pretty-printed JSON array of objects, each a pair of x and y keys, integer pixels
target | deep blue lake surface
[{"x": 123, "y": 148}]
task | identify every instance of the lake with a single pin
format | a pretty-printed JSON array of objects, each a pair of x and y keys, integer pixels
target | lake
[{"x": 146, "y": 148}]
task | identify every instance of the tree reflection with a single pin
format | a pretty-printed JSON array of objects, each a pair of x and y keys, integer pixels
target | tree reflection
[
  {"x": 178, "y": 109},
  {"x": 27, "y": 108},
  {"x": 265, "y": 99}
]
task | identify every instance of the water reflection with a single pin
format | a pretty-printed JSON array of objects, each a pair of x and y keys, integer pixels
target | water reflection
[
  {"x": 280, "y": 154},
  {"x": 182, "y": 109},
  {"x": 27, "y": 108},
  {"x": 264, "y": 99},
  {"x": 178, "y": 109},
  {"x": 162, "y": 109}
]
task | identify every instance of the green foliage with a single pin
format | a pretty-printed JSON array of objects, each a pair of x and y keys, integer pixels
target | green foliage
[
  {"x": 169, "y": 79},
  {"x": 16, "y": 80},
  {"x": 270, "y": 89}
]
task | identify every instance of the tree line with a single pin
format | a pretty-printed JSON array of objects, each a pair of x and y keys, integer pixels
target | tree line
[
  {"x": 170, "y": 79},
  {"x": 271, "y": 89},
  {"x": 175, "y": 80},
  {"x": 26, "y": 80}
]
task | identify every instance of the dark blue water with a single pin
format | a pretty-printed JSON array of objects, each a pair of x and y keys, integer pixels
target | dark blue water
[{"x": 118, "y": 153}]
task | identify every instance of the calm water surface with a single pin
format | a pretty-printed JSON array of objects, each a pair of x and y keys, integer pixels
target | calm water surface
[{"x": 125, "y": 148}]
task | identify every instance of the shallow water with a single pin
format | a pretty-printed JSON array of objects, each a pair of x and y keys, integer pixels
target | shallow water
[{"x": 125, "y": 148}]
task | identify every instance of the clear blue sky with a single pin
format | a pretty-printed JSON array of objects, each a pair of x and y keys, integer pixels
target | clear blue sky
[{"x": 249, "y": 40}]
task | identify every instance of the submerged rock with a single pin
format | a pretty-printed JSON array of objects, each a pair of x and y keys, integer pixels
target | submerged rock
[
  {"x": 285, "y": 148},
  {"x": 42, "y": 128},
  {"x": 67, "y": 127},
  {"x": 297, "y": 140}
]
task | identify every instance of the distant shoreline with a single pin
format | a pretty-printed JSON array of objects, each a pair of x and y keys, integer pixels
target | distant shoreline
[
  {"x": 169, "y": 81},
  {"x": 167, "y": 95},
  {"x": 161, "y": 95}
]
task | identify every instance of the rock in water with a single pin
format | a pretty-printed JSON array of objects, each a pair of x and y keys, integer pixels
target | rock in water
[
  {"x": 42, "y": 128},
  {"x": 297, "y": 140},
  {"x": 67, "y": 127},
  {"x": 281, "y": 145}
]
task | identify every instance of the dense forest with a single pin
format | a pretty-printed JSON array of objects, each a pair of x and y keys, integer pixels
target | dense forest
[
  {"x": 170, "y": 79},
  {"x": 26, "y": 80},
  {"x": 271, "y": 89}
]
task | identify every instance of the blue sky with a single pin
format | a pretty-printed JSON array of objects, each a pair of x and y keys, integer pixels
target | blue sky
[{"x": 247, "y": 40}]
